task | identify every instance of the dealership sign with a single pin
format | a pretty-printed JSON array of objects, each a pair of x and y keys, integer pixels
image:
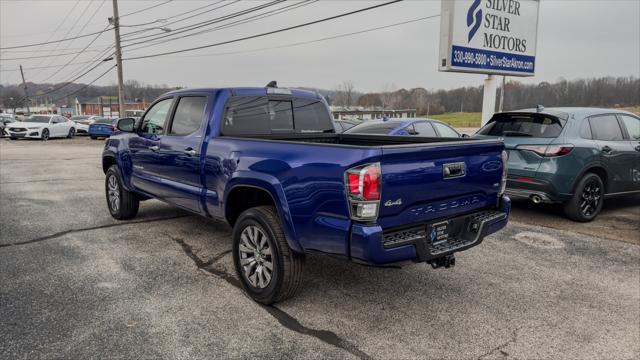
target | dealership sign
[{"x": 489, "y": 36}]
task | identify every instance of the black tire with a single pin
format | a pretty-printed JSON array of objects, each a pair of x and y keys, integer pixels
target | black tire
[
  {"x": 93, "y": 137},
  {"x": 45, "y": 135},
  {"x": 587, "y": 199},
  {"x": 72, "y": 133},
  {"x": 286, "y": 275},
  {"x": 13, "y": 138},
  {"x": 128, "y": 203}
]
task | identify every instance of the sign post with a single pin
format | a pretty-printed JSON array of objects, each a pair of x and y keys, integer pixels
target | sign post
[{"x": 494, "y": 37}]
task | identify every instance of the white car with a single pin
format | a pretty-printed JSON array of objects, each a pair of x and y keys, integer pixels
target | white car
[
  {"x": 83, "y": 122},
  {"x": 42, "y": 127}
]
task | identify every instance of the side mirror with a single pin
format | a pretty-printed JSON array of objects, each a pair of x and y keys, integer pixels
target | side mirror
[
  {"x": 126, "y": 124},
  {"x": 464, "y": 136}
]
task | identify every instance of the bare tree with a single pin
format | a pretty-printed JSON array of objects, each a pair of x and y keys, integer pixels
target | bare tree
[
  {"x": 344, "y": 94},
  {"x": 12, "y": 99}
]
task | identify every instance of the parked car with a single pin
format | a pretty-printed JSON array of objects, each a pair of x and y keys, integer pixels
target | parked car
[
  {"x": 103, "y": 127},
  {"x": 42, "y": 127},
  {"x": 83, "y": 122},
  {"x": 576, "y": 157},
  {"x": 5, "y": 119},
  {"x": 405, "y": 127},
  {"x": 344, "y": 125},
  {"x": 294, "y": 187}
]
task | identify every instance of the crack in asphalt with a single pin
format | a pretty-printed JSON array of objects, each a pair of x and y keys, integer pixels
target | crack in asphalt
[
  {"x": 286, "y": 320},
  {"x": 106, "y": 226},
  {"x": 513, "y": 339}
]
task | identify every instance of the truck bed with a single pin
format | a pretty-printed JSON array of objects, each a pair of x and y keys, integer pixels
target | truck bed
[{"x": 363, "y": 140}]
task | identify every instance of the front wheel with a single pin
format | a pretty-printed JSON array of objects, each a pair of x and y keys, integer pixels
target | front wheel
[
  {"x": 587, "y": 199},
  {"x": 93, "y": 137},
  {"x": 268, "y": 269},
  {"x": 122, "y": 204},
  {"x": 45, "y": 135},
  {"x": 72, "y": 133}
]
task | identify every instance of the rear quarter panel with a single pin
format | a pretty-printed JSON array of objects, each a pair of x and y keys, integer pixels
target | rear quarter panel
[{"x": 306, "y": 181}]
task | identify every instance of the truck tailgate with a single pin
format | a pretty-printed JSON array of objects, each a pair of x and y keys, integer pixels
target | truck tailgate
[{"x": 421, "y": 182}]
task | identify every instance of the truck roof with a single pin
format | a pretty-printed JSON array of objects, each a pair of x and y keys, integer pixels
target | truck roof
[{"x": 251, "y": 91}]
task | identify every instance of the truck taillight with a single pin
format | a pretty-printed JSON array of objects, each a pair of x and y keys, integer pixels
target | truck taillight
[
  {"x": 503, "y": 181},
  {"x": 363, "y": 191},
  {"x": 548, "y": 150}
]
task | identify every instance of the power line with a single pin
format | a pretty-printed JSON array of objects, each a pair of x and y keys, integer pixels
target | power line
[
  {"x": 86, "y": 85},
  {"x": 267, "y": 33},
  {"x": 145, "y": 9},
  {"x": 72, "y": 59},
  {"x": 44, "y": 67},
  {"x": 315, "y": 40},
  {"x": 194, "y": 26},
  {"x": 49, "y": 61},
  {"x": 184, "y": 13},
  {"x": 55, "y": 41},
  {"x": 46, "y": 56},
  {"x": 233, "y": 24}
]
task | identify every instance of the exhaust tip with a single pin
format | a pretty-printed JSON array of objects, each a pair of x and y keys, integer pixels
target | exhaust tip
[{"x": 536, "y": 199}]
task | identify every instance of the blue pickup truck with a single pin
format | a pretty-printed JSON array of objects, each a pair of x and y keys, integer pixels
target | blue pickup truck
[{"x": 268, "y": 161}]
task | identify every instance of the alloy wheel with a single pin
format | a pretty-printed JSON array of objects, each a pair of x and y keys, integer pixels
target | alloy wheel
[
  {"x": 113, "y": 193},
  {"x": 591, "y": 197},
  {"x": 255, "y": 257}
]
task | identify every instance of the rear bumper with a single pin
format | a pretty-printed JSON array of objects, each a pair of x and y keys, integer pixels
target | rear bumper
[
  {"x": 370, "y": 244},
  {"x": 100, "y": 133},
  {"x": 530, "y": 188}
]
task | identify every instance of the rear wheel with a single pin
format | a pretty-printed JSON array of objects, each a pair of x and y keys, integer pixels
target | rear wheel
[
  {"x": 72, "y": 133},
  {"x": 45, "y": 135},
  {"x": 268, "y": 269},
  {"x": 93, "y": 137},
  {"x": 587, "y": 199},
  {"x": 122, "y": 204}
]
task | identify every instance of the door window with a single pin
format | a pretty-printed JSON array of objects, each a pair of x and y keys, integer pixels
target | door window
[
  {"x": 424, "y": 129},
  {"x": 445, "y": 131},
  {"x": 606, "y": 127},
  {"x": 188, "y": 116},
  {"x": 155, "y": 118},
  {"x": 633, "y": 126}
]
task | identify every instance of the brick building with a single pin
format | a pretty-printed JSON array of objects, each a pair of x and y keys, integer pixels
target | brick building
[{"x": 106, "y": 106}]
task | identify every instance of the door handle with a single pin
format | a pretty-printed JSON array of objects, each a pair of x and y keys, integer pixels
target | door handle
[
  {"x": 190, "y": 152},
  {"x": 606, "y": 149},
  {"x": 154, "y": 148}
]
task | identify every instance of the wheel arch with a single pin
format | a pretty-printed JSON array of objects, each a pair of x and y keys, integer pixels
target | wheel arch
[
  {"x": 597, "y": 169},
  {"x": 244, "y": 194}
]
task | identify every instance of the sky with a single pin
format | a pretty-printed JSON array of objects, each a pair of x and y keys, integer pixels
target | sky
[{"x": 576, "y": 39}]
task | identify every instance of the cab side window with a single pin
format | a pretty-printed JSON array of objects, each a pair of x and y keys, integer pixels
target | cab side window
[
  {"x": 155, "y": 118},
  {"x": 606, "y": 127},
  {"x": 188, "y": 116}
]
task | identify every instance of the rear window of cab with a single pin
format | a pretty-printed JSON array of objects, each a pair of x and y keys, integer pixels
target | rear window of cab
[
  {"x": 263, "y": 115},
  {"x": 525, "y": 125}
]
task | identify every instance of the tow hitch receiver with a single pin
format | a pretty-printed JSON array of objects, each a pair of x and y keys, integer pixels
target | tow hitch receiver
[{"x": 447, "y": 261}]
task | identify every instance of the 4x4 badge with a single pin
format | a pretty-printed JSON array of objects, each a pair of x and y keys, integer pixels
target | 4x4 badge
[{"x": 393, "y": 203}]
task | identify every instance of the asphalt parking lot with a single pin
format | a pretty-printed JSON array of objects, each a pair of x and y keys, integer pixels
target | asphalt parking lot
[{"x": 75, "y": 283}]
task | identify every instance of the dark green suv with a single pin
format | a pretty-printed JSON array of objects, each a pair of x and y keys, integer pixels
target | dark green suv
[{"x": 574, "y": 156}]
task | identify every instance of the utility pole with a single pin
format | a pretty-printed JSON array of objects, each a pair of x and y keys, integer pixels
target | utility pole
[
  {"x": 501, "y": 95},
  {"x": 26, "y": 93},
  {"x": 115, "y": 21}
]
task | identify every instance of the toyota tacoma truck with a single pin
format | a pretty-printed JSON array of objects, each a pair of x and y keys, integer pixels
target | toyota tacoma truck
[{"x": 268, "y": 161}]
